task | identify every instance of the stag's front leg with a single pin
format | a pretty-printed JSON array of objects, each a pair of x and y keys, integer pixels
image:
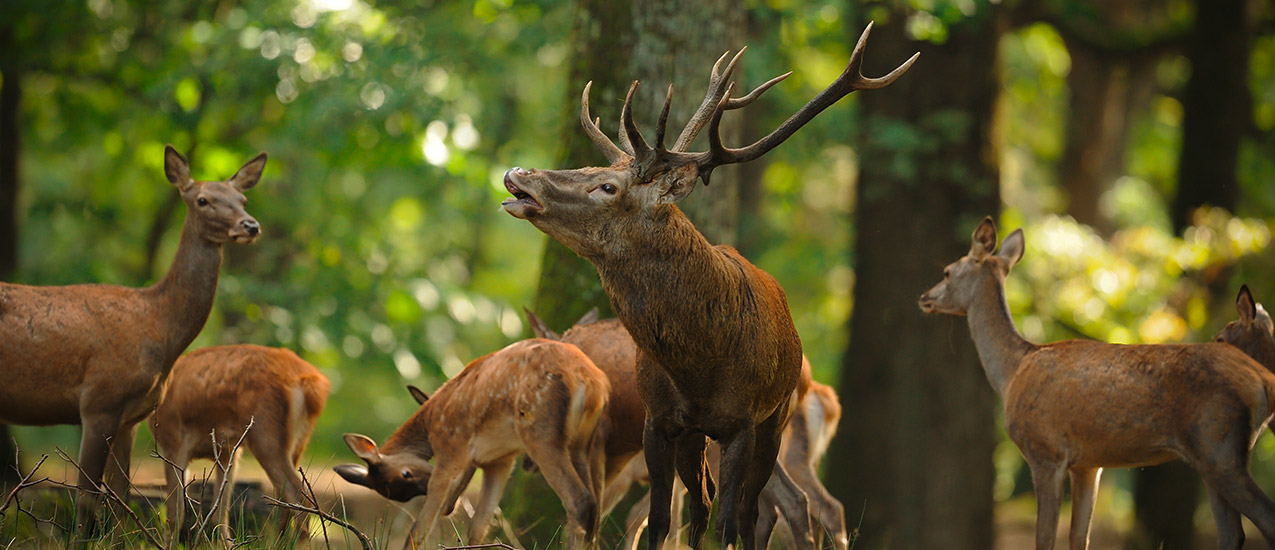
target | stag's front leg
[
  {"x": 692, "y": 467},
  {"x": 659, "y": 450},
  {"x": 762, "y": 465},
  {"x": 737, "y": 458}
]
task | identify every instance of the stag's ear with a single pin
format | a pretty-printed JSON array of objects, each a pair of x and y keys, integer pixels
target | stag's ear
[
  {"x": 676, "y": 184},
  {"x": 588, "y": 318},
  {"x": 353, "y": 473},
  {"x": 1245, "y": 305},
  {"x": 539, "y": 328},
  {"x": 418, "y": 394},
  {"x": 249, "y": 174},
  {"x": 1012, "y": 250},
  {"x": 984, "y": 239},
  {"x": 363, "y": 447},
  {"x": 177, "y": 169}
]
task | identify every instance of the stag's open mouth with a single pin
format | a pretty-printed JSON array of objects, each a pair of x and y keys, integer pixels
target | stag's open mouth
[{"x": 522, "y": 205}]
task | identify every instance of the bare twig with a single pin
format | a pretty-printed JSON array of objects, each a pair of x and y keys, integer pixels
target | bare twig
[
  {"x": 363, "y": 540},
  {"x": 24, "y": 483},
  {"x": 225, "y": 479},
  {"x": 105, "y": 489},
  {"x": 308, "y": 492},
  {"x": 471, "y": 546}
]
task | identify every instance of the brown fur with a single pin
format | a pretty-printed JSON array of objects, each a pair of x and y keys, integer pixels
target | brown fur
[
  {"x": 98, "y": 355},
  {"x": 219, "y": 391},
  {"x": 537, "y": 396},
  {"x": 1253, "y": 332},
  {"x": 1076, "y": 407}
]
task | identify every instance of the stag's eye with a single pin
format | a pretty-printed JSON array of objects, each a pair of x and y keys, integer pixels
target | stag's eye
[
  {"x": 201, "y": 201},
  {"x": 608, "y": 188}
]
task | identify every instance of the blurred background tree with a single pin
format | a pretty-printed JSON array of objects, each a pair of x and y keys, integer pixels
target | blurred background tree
[{"x": 1098, "y": 127}]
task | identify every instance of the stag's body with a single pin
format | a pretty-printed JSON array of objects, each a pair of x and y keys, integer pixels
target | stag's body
[
  {"x": 718, "y": 354},
  {"x": 1075, "y": 407},
  {"x": 540, "y": 397},
  {"x": 222, "y": 391},
  {"x": 98, "y": 355}
]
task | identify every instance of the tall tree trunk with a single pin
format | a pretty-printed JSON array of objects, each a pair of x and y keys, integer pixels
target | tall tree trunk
[
  {"x": 10, "y": 139},
  {"x": 1106, "y": 88},
  {"x": 914, "y": 447},
  {"x": 658, "y": 42},
  {"x": 1216, "y": 113},
  {"x": 1216, "y": 109}
]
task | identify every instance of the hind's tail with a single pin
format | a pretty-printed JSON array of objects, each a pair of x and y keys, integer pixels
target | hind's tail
[{"x": 304, "y": 405}]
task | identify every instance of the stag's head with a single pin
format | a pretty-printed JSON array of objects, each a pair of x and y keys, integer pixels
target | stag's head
[
  {"x": 966, "y": 277},
  {"x": 396, "y": 475},
  {"x": 1253, "y": 332},
  {"x": 217, "y": 207},
  {"x": 586, "y": 208}
]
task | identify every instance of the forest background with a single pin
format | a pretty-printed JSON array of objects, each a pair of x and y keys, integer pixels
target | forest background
[{"x": 1132, "y": 140}]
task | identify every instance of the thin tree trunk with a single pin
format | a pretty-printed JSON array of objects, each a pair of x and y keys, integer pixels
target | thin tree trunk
[
  {"x": 914, "y": 448},
  {"x": 1216, "y": 111}
]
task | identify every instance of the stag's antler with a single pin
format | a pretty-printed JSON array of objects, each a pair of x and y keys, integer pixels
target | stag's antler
[{"x": 649, "y": 160}]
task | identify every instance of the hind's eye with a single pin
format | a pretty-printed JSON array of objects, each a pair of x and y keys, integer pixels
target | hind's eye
[
  {"x": 1220, "y": 339},
  {"x": 407, "y": 474},
  {"x": 201, "y": 201},
  {"x": 608, "y": 188}
]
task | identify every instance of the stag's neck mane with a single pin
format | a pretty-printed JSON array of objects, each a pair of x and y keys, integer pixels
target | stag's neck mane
[
  {"x": 184, "y": 297},
  {"x": 663, "y": 281}
]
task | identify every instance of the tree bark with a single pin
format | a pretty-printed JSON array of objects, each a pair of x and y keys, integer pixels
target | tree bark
[
  {"x": 657, "y": 42},
  {"x": 10, "y": 140},
  {"x": 1216, "y": 109},
  {"x": 914, "y": 447}
]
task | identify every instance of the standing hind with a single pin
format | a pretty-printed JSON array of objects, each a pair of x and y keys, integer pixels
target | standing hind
[{"x": 270, "y": 393}]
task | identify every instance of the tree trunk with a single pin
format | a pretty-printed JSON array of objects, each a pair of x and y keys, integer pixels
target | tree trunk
[
  {"x": 658, "y": 42},
  {"x": 10, "y": 139},
  {"x": 1106, "y": 88},
  {"x": 1216, "y": 109},
  {"x": 914, "y": 447}
]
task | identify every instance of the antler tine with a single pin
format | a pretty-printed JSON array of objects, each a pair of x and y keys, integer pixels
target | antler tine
[
  {"x": 738, "y": 102},
  {"x": 608, "y": 148},
  {"x": 717, "y": 82},
  {"x": 856, "y": 60},
  {"x": 640, "y": 149},
  {"x": 663, "y": 122},
  {"x": 850, "y": 80},
  {"x": 715, "y": 135}
]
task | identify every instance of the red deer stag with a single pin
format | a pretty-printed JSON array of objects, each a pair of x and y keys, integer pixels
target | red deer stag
[
  {"x": 540, "y": 397},
  {"x": 1253, "y": 333},
  {"x": 98, "y": 355},
  {"x": 718, "y": 353},
  {"x": 1078, "y": 406},
  {"x": 221, "y": 391}
]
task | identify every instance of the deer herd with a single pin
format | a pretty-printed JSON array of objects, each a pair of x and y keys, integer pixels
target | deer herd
[{"x": 699, "y": 388}]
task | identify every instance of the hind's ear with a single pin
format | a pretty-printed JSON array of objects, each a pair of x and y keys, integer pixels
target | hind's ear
[
  {"x": 1245, "y": 306},
  {"x": 363, "y": 447},
  {"x": 983, "y": 241},
  {"x": 418, "y": 394},
  {"x": 539, "y": 327},
  {"x": 177, "y": 169},
  {"x": 589, "y": 317}
]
